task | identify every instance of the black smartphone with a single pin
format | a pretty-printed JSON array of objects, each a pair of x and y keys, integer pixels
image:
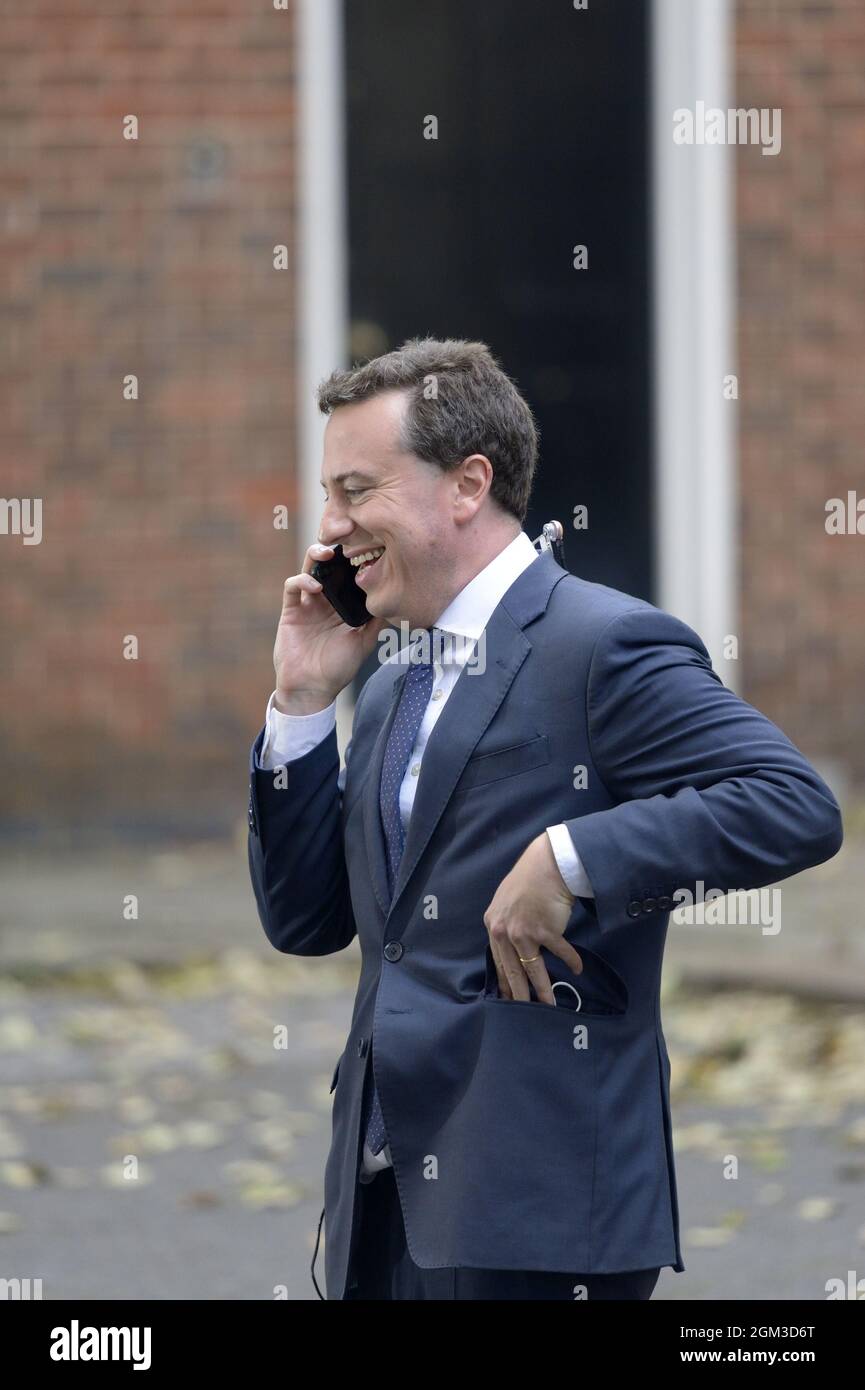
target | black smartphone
[{"x": 338, "y": 580}]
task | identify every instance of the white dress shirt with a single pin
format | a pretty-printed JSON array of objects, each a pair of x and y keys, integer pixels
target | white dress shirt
[{"x": 289, "y": 736}]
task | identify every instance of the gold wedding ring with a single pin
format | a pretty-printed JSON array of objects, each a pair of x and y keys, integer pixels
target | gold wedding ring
[{"x": 525, "y": 959}]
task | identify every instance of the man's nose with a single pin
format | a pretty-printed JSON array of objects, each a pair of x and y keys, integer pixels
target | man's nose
[{"x": 334, "y": 526}]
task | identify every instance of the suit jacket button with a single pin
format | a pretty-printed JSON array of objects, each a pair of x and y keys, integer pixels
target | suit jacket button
[
  {"x": 393, "y": 950},
  {"x": 634, "y": 908},
  {"x": 649, "y": 904},
  {"x": 664, "y": 904}
]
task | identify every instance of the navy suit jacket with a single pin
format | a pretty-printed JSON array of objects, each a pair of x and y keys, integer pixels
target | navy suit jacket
[{"x": 527, "y": 1136}]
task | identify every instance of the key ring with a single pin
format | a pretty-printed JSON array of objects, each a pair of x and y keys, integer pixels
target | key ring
[{"x": 569, "y": 986}]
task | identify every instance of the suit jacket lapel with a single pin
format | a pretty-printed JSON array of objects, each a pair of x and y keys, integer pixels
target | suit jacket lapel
[
  {"x": 373, "y": 829},
  {"x": 469, "y": 710}
]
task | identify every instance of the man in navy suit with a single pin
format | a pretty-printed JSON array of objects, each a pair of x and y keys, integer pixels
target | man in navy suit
[{"x": 532, "y": 777}]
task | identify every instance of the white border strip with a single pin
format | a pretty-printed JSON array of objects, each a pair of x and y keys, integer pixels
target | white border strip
[{"x": 696, "y": 492}]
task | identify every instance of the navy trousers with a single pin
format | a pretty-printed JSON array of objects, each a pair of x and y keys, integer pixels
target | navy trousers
[{"x": 381, "y": 1267}]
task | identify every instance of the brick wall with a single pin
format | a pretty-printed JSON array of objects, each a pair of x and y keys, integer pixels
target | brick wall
[
  {"x": 155, "y": 257},
  {"x": 801, "y": 250},
  {"x": 151, "y": 257}
]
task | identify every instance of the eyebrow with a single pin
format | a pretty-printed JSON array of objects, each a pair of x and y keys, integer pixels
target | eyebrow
[{"x": 352, "y": 473}]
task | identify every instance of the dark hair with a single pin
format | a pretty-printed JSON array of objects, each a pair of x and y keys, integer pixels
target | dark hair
[{"x": 460, "y": 402}]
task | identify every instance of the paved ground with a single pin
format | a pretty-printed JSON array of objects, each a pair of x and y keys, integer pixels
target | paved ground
[{"x": 154, "y": 1038}]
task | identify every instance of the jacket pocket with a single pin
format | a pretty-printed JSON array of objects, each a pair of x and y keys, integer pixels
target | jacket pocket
[
  {"x": 503, "y": 762},
  {"x": 600, "y": 987}
]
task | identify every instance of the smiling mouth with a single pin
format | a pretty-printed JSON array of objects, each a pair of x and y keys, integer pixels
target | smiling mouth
[{"x": 367, "y": 566}]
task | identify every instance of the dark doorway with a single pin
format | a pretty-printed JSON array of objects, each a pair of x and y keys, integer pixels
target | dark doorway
[{"x": 543, "y": 144}]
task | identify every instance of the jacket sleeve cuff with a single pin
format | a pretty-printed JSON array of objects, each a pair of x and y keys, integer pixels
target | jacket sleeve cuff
[{"x": 619, "y": 901}]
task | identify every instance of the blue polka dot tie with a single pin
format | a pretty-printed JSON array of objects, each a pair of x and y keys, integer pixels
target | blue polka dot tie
[{"x": 414, "y": 699}]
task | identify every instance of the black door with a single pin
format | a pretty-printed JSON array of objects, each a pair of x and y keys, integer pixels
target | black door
[{"x": 543, "y": 142}]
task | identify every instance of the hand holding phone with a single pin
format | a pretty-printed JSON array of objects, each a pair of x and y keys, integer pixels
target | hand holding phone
[{"x": 316, "y": 654}]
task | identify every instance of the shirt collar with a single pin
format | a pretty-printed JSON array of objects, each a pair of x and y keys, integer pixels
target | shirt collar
[{"x": 469, "y": 612}]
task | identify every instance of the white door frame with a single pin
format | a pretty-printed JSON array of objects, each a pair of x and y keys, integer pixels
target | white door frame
[
  {"x": 322, "y": 262},
  {"x": 693, "y": 231},
  {"x": 322, "y": 288}
]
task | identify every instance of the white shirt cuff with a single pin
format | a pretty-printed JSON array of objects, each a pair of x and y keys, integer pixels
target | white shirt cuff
[
  {"x": 569, "y": 862},
  {"x": 289, "y": 736}
]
